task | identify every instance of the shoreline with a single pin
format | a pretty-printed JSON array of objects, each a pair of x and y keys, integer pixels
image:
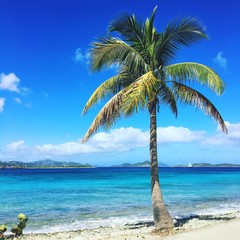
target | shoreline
[
  {"x": 66, "y": 167},
  {"x": 193, "y": 226}
]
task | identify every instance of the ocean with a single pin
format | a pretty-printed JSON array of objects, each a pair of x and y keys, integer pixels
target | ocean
[{"x": 82, "y": 198}]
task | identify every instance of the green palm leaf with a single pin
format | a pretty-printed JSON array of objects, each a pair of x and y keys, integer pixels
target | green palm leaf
[
  {"x": 139, "y": 93},
  {"x": 110, "y": 50},
  {"x": 107, "y": 116},
  {"x": 149, "y": 28},
  {"x": 181, "y": 32},
  {"x": 166, "y": 96},
  {"x": 129, "y": 27},
  {"x": 194, "y": 71},
  {"x": 190, "y": 96},
  {"x": 138, "y": 35},
  {"x": 109, "y": 86},
  {"x": 147, "y": 89}
]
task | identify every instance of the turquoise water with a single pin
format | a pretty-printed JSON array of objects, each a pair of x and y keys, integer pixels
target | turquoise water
[{"x": 60, "y": 199}]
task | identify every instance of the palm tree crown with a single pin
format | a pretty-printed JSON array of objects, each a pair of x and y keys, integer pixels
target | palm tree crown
[
  {"x": 147, "y": 79},
  {"x": 143, "y": 56}
]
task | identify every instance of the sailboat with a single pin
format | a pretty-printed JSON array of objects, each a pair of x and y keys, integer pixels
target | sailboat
[{"x": 189, "y": 165}]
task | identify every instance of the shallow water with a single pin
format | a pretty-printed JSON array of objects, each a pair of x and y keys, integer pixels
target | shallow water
[{"x": 60, "y": 199}]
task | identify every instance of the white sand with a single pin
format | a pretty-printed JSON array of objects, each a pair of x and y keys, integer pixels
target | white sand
[
  {"x": 213, "y": 228},
  {"x": 221, "y": 231}
]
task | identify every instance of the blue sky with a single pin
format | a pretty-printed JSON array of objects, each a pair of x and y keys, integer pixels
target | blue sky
[{"x": 45, "y": 82}]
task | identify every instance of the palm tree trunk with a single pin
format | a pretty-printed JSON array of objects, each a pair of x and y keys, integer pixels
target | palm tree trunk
[{"x": 162, "y": 218}]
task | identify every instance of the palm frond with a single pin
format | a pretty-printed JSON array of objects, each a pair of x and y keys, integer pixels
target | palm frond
[
  {"x": 139, "y": 93},
  {"x": 109, "y": 86},
  {"x": 190, "y": 96},
  {"x": 137, "y": 34},
  {"x": 107, "y": 116},
  {"x": 181, "y": 32},
  {"x": 149, "y": 28},
  {"x": 110, "y": 50},
  {"x": 129, "y": 27},
  {"x": 194, "y": 71},
  {"x": 166, "y": 96},
  {"x": 148, "y": 89}
]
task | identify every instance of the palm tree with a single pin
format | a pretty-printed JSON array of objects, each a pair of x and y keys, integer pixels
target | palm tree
[{"x": 146, "y": 79}]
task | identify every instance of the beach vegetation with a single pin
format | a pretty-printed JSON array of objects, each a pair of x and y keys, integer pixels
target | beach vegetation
[
  {"x": 3, "y": 229},
  {"x": 17, "y": 229},
  {"x": 147, "y": 79}
]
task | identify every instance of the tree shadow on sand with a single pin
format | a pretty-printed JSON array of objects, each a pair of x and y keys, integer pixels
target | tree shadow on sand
[{"x": 183, "y": 220}]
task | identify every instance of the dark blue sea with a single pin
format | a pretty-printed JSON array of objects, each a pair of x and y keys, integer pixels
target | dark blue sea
[{"x": 60, "y": 199}]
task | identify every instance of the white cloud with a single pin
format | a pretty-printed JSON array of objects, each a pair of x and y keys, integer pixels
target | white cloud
[
  {"x": 232, "y": 138},
  {"x": 128, "y": 138},
  {"x": 25, "y": 90},
  {"x": 123, "y": 140},
  {"x": 18, "y": 100},
  {"x": 69, "y": 148},
  {"x": 80, "y": 57},
  {"x": 179, "y": 134},
  {"x": 117, "y": 140},
  {"x": 9, "y": 82},
  {"x": 15, "y": 146},
  {"x": 2, "y": 102},
  {"x": 220, "y": 60}
]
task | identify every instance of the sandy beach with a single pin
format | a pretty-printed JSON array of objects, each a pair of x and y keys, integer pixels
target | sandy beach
[{"x": 212, "y": 227}]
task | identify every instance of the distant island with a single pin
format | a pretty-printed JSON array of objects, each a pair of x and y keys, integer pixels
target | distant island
[
  {"x": 47, "y": 163},
  {"x": 140, "y": 164},
  {"x": 209, "y": 165}
]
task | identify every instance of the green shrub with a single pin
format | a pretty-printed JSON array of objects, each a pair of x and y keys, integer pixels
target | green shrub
[
  {"x": 17, "y": 230},
  {"x": 3, "y": 229}
]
